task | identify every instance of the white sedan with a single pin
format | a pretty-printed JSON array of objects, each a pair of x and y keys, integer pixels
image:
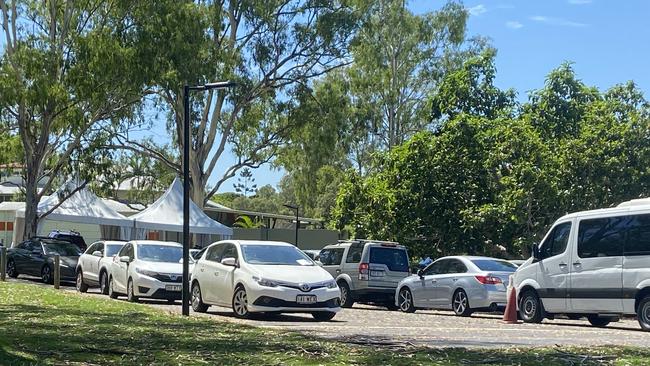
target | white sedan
[
  {"x": 147, "y": 268},
  {"x": 262, "y": 276}
]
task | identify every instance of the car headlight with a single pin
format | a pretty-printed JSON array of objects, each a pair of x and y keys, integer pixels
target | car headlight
[
  {"x": 264, "y": 282},
  {"x": 146, "y": 272},
  {"x": 332, "y": 284}
]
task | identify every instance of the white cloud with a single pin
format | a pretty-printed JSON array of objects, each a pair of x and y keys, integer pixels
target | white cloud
[
  {"x": 579, "y": 2},
  {"x": 557, "y": 21},
  {"x": 513, "y": 24},
  {"x": 477, "y": 10}
]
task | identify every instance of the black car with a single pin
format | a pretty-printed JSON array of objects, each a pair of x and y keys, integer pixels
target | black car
[
  {"x": 36, "y": 257},
  {"x": 69, "y": 236}
]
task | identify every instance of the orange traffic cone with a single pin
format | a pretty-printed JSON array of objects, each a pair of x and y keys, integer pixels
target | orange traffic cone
[{"x": 510, "y": 315}]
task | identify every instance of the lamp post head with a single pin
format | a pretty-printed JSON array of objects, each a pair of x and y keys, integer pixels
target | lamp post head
[{"x": 219, "y": 85}]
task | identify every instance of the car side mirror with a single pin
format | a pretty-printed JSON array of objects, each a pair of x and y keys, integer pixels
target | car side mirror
[
  {"x": 125, "y": 259},
  {"x": 536, "y": 254},
  {"x": 97, "y": 253},
  {"x": 420, "y": 273},
  {"x": 230, "y": 261}
]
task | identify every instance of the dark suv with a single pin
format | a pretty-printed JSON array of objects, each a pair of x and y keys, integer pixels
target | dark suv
[{"x": 69, "y": 236}]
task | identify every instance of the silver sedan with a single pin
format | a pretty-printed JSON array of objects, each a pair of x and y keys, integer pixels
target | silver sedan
[{"x": 463, "y": 284}]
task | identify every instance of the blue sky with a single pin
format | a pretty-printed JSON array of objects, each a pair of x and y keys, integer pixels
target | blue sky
[{"x": 608, "y": 42}]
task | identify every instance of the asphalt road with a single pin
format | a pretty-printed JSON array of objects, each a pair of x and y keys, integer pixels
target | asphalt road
[{"x": 374, "y": 325}]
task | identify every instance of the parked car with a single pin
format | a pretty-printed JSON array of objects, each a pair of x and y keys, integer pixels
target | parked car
[
  {"x": 313, "y": 254},
  {"x": 463, "y": 284},
  {"x": 36, "y": 257},
  {"x": 92, "y": 269},
  {"x": 366, "y": 270},
  {"x": 147, "y": 268},
  {"x": 263, "y": 276},
  {"x": 591, "y": 264},
  {"x": 69, "y": 236},
  {"x": 194, "y": 253}
]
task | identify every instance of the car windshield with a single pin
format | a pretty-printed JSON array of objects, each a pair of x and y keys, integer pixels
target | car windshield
[
  {"x": 113, "y": 249},
  {"x": 160, "y": 253},
  {"x": 275, "y": 255},
  {"x": 64, "y": 249},
  {"x": 494, "y": 265}
]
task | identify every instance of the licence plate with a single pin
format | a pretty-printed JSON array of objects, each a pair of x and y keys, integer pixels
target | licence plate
[
  {"x": 306, "y": 299},
  {"x": 377, "y": 273},
  {"x": 173, "y": 287}
]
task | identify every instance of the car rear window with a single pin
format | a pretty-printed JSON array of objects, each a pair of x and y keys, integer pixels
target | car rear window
[
  {"x": 394, "y": 259},
  {"x": 494, "y": 265}
]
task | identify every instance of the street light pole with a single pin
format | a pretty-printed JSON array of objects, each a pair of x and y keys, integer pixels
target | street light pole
[
  {"x": 186, "y": 185},
  {"x": 295, "y": 208}
]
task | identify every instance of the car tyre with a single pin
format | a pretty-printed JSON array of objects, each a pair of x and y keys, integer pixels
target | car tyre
[
  {"x": 598, "y": 321},
  {"x": 111, "y": 289},
  {"x": 103, "y": 283},
  {"x": 643, "y": 313},
  {"x": 81, "y": 286},
  {"x": 197, "y": 299},
  {"x": 323, "y": 316},
  {"x": 346, "y": 296},
  {"x": 11, "y": 269},
  {"x": 460, "y": 303},
  {"x": 240, "y": 303},
  {"x": 46, "y": 275},
  {"x": 130, "y": 292},
  {"x": 530, "y": 307},
  {"x": 406, "y": 300}
]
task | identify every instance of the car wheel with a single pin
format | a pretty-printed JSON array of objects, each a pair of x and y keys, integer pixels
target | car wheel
[
  {"x": 111, "y": 289},
  {"x": 81, "y": 286},
  {"x": 530, "y": 308},
  {"x": 643, "y": 313},
  {"x": 598, "y": 321},
  {"x": 46, "y": 275},
  {"x": 323, "y": 316},
  {"x": 346, "y": 296},
  {"x": 240, "y": 303},
  {"x": 406, "y": 300},
  {"x": 197, "y": 299},
  {"x": 11, "y": 269},
  {"x": 130, "y": 293},
  {"x": 103, "y": 283},
  {"x": 460, "y": 303}
]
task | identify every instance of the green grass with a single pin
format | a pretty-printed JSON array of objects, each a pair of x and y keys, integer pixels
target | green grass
[{"x": 45, "y": 326}]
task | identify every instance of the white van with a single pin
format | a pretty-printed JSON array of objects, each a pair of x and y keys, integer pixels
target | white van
[{"x": 593, "y": 264}]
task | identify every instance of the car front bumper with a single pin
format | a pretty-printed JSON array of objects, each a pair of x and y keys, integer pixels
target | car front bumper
[
  {"x": 145, "y": 286},
  {"x": 283, "y": 299}
]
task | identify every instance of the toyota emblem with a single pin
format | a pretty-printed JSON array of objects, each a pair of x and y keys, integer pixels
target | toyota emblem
[{"x": 305, "y": 287}]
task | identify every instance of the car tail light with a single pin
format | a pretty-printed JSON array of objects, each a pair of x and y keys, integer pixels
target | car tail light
[
  {"x": 363, "y": 271},
  {"x": 489, "y": 280}
]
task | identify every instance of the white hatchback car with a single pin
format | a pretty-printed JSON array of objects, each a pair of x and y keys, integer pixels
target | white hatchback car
[
  {"x": 93, "y": 265},
  {"x": 147, "y": 268},
  {"x": 263, "y": 276}
]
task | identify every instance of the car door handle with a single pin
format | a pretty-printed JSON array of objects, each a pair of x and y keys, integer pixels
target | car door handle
[
  {"x": 202, "y": 269},
  {"x": 562, "y": 265},
  {"x": 434, "y": 281},
  {"x": 216, "y": 273},
  {"x": 577, "y": 264},
  {"x": 338, "y": 271}
]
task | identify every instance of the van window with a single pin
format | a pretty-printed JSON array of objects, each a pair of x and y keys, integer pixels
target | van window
[
  {"x": 331, "y": 257},
  {"x": 556, "y": 241},
  {"x": 354, "y": 253},
  {"x": 394, "y": 259},
  {"x": 603, "y": 237},
  {"x": 638, "y": 240}
]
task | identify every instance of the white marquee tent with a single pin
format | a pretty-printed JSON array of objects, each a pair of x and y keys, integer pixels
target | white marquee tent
[
  {"x": 81, "y": 207},
  {"x": 166, "y": 214}
]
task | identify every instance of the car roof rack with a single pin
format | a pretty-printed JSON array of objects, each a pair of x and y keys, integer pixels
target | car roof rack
[{"x": 368, "y": 241}]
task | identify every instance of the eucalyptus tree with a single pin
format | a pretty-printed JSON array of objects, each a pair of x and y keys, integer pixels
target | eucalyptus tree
[
  {"x": 269, "y": 48},
  {"x": 67, "y": 72}
]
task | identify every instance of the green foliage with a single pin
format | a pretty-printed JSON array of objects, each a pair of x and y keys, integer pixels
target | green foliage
[
  {"x": 245, "y": 222},
  {"x": 492, "y": 182},
  {"x": 245, "y": 183}
]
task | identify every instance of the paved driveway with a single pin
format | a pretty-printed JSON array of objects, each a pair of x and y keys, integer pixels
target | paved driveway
[{"x": 368, "y": 324}]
